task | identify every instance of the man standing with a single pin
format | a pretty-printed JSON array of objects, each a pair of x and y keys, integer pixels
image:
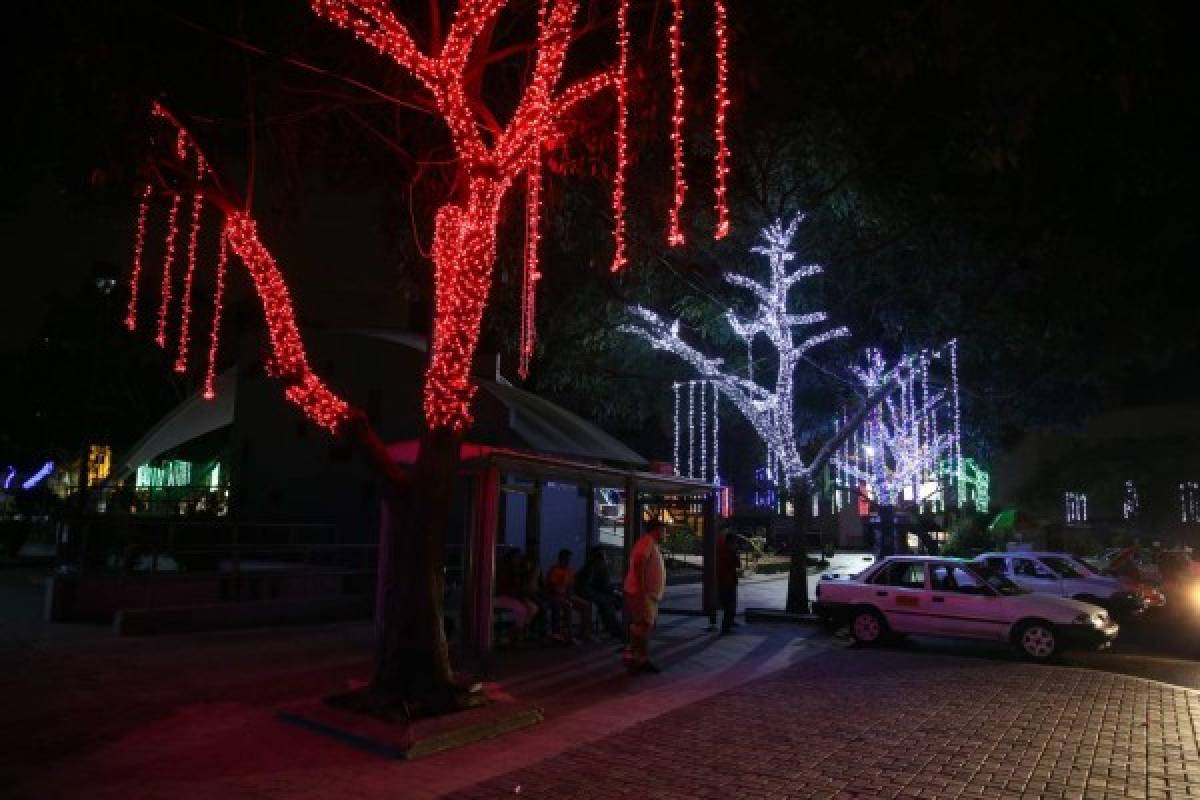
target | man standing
[
  {"x": 727, "y": 581},
  {"x": 644, "y": 584}
]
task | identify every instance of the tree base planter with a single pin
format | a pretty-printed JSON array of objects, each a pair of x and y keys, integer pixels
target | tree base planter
[{"x": 402, "y": 739}]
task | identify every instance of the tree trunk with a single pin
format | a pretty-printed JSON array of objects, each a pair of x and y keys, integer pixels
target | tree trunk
[
  {"x": 413, "y": 676},
  {"x": 887, "y": 531},
  {"x": 797, "y": 596},
  {"x": 413, "y": 662}
]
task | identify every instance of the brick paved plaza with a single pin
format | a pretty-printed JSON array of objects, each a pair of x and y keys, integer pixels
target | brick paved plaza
[
  {"x": 849, "y": 723},
  {"x": 772, "y": 712}
]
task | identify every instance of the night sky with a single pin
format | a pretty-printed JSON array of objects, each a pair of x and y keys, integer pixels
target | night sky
[{"x": 1019, "y": 175}]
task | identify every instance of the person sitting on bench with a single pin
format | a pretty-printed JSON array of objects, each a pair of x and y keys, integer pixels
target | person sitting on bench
[
  {"x": 560, "y": 592},
  {"x": 595, "y": 585},
  {"x": 510, "y": 590}
]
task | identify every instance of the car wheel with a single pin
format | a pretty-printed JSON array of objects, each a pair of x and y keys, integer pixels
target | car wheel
[
  {"x": 867, "y": 626},
  {"x": 1037, "y": 640}
]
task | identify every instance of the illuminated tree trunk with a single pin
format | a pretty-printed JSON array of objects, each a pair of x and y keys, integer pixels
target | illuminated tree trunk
[{"x": 413, "y": 661}]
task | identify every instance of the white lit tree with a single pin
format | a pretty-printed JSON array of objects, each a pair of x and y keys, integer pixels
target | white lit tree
[
  {"x": 901, "y": 444},
  {"x": 769, "y": 408},
  {"x": 769, "y": 405}
]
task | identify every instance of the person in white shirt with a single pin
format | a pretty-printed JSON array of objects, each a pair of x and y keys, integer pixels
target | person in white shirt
[{"x": 644, "y": 585}]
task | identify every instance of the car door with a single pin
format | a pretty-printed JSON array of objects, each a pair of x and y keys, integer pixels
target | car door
[
  {"x": 900, "y": 592},
  {"x": 1031, "y": 574},
  {"x": 962, "y": 604}
]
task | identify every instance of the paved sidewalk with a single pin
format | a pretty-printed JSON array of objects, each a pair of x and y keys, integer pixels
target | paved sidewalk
[
  {"x": 194, "y": 716},
  {"x": 884, "y": 724}
]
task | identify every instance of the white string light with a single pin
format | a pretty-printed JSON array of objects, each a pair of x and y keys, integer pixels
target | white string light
[
  {"x": 957, "y": 421},
  {"x": 716, "y": 418},
  {"x": 1129, "y": 508},
  {"x": 691, "y": 429},
  {"x": 701, "y": 391},
  {"x": 675, "y": 437}
]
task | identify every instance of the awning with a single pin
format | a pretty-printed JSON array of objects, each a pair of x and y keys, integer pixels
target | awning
[{"x": 189, "y": 420}]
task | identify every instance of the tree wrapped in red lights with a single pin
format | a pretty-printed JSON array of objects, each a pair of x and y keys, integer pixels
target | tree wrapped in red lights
[{"x": 491, "y": 157}]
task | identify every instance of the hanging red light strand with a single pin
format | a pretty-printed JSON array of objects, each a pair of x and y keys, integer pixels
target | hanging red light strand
[
  {"x": 214, "y": 333},
  {"x": 721, "y": 104},
  {"x": 168, "y": 258},
  {"x": 675, "y": 230},
  {"x": 139, "y": 244},
  {"x": 185, "y": 314},
  {"x": 622, "y": 133},
  {"x": 531, "y": 275}
]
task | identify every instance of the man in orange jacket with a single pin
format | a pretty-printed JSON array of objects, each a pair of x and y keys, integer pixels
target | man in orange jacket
[{"x": 644, "y": 585}]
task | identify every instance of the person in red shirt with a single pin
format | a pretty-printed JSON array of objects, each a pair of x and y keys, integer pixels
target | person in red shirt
[
  {"x": 644, "y": 585},
  {"x": 560, "y": 591}
]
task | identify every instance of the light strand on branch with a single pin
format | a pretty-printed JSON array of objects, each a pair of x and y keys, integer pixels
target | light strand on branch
[
  {"x": 675, "y": 235},
  {"x": 139, "y": 245},
  {"x": 721, "y": 103},
  {"x": 164, "y": 305},
  {"x": 289, "y": 361},
  {"x": 530, "y": 273},
  {"x": 622, "y": 133},
  {"x": 185, "y": 314}
]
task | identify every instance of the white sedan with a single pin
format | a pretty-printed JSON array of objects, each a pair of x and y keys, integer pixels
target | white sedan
[{"x": 933, "y": 596}]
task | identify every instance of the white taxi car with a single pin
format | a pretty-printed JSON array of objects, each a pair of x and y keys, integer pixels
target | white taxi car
[
  {"x": 932, "y": 596},
  {"x": 1063, "y": 574}
]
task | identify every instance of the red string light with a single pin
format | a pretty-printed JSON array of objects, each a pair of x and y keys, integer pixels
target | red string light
[
  {"x": 622, "y": 132},
  {"x": 675, "y": 231},
  {"x": 531, "y": 275},
  {"x": 305, "y": 389},
  {"x": 168, "y": 258},
  {"x": 139, "y": 244},
  {"x": 210, "y": 370},
  {"x": 185, "y": 320},
  {"x": 721, "y": 103},
  {"x": 464, "y": 252}
]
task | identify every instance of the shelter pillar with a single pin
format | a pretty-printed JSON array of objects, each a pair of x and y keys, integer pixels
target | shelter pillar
[
  {"x": 633, "y": 518},
  {"x": 533, "y": 522},
  {"x": 481, "y": 564}
]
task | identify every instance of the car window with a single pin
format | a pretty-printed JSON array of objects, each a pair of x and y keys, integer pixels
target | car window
[
  {"x": 1028, "y": 568},
  {"x": 955, "y": 578},
  {"x": 907, "y": 574},
  {"x": 998, "y": 581},
  {"x": 995, "y": 563},
  {"x": 1062, "y": 566}
]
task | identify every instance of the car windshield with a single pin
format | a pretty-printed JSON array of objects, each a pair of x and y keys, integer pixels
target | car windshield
[
  {"x": 996, "y": 580},
  {"x": 1063, "y": 566},
  {"x": 1084, "y": 567}
]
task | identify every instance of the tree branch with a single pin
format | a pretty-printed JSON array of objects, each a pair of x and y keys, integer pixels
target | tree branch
[{"x": 374, "y": 23}]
